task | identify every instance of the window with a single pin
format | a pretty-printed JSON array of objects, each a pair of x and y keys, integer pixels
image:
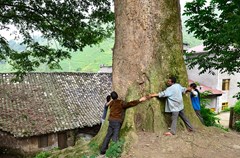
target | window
[
  {"x": 43, "y": 141},
  {"x": 225, "y": 84},
  {"x": 224, "y": 105}
]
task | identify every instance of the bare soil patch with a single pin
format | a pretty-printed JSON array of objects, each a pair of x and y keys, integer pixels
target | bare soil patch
[{"x": 206, "y": 143}]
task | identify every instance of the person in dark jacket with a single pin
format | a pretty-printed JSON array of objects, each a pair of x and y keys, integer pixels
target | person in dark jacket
[{"x": 116, "y": 116}]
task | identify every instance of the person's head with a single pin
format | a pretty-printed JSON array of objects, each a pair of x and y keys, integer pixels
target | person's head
[
  {"x": 108, "y": 98},
  {"x": 171, "y": 81},
  {"x": 114, "y": 95},
  {"x": 193, "y": 85}
]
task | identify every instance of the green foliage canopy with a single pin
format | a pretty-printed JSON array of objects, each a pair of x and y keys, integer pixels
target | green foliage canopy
[
  {"x": 74, "y": 24},
  {"x": 238, "y": 94},
  {"x": 237, "y": 108},
  {"x": 218, "y": 25}
]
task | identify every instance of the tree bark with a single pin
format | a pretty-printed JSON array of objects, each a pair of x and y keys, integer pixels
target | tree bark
[{"x": 148, "y": 49}]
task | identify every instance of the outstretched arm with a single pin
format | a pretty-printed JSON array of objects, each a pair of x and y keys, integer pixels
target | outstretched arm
[
  {"x": 189, "y": 89},
  {"x": 165, "y": 93},
  {"x": 134, "y": 102},
  {"x": 143, "y": 99},
  {"x": 153, "y": 95}
]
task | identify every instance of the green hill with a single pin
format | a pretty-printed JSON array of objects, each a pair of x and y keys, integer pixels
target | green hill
[{"x": 89, "y": 60}]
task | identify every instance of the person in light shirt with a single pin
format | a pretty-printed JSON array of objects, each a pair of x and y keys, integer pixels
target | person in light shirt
[{"x": 174, "y": 104}]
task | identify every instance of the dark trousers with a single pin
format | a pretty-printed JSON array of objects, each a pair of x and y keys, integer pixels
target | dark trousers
[
  {"x": 198, "y": 113},
  {"x": 113, "y": 132},
  {"x": 175, "y": 118}
]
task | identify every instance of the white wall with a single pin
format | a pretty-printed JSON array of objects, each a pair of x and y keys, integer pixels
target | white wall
[
  {"x": 233, "y": 89},
  {"x": 206, "y": 79}
]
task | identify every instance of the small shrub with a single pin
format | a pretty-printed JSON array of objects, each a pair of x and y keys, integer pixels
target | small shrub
[
  {"x": 209, "y": 117},
  {"x": 226, "y": 109},
  {"x": 237, "y": 126},
  {"x": 237, "y": 107},
  {"x": 115, "y": 149},
  {"x": 94, "y": 149},
  {"x": 43, "y": 154},
  {"x": 93, "y": 146}
]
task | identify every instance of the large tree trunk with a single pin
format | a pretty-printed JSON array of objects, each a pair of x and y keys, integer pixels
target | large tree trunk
[{"x": 148, "y": 49}]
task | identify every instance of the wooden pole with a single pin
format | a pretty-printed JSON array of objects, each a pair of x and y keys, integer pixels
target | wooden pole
[{"x": 231, "y": 118}]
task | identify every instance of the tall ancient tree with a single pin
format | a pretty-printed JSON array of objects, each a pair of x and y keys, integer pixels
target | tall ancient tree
[{"x": 148, "y": 49}]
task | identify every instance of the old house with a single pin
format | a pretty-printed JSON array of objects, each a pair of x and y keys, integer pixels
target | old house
[
  {"x": 46, "y": 110},
  {"x": 221, "y": 81}
]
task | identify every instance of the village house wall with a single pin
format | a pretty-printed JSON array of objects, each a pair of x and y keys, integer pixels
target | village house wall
[
  {"x": 233, "y": 89},
  {"x": 205, "y": 78},
  {"x": 29, "y": 145}
]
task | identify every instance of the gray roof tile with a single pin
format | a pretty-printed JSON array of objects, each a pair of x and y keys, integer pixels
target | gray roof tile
[{"x": 52, "y": 102}]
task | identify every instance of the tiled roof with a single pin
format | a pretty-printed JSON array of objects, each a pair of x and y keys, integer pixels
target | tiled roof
[
  {"x": 51, "y": 102},
  {"x": 201, "y": 49},
  {"x": 203, "y": 88},
  {"x": 197, "y": 49}
]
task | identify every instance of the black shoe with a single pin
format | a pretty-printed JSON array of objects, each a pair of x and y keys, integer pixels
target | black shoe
[{"x": 102, "y": 152}]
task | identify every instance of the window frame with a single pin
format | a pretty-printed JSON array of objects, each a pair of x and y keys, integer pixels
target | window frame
[{"x": 225, "y": 84}]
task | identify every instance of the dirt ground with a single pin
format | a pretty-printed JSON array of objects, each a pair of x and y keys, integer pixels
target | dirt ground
[{"x": 206, "y": 143}]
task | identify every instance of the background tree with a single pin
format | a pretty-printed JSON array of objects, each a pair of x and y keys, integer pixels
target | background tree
[
  {"x": 238, "y": 94},
  {"x": 217, "y": 24},
  {"x": 73, "y": 24}
]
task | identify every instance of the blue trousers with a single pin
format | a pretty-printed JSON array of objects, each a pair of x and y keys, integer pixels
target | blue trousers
[{"x": 113, "y": 132}]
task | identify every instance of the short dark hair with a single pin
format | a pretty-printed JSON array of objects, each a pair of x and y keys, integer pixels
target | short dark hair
[
  {"x": 193, "y": 85},
  {"x": 108, "y": 98},
  {"x": 173, "y": 79},
  {"x": 114, "y": 95}
]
